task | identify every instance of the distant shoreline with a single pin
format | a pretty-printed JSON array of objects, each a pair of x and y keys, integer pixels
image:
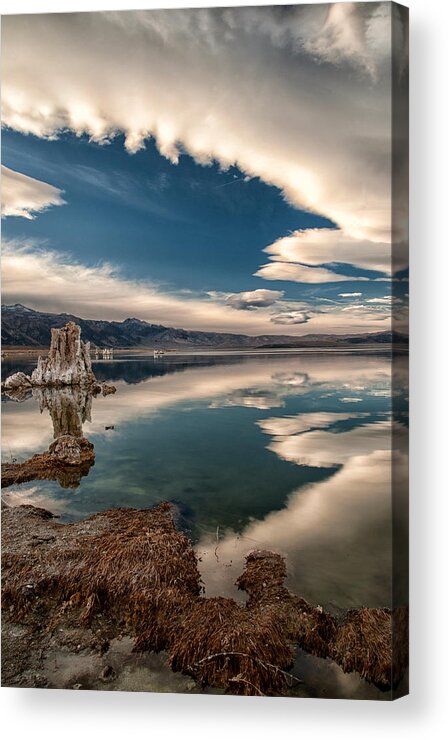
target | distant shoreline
[{"x": 15, "y": 351}]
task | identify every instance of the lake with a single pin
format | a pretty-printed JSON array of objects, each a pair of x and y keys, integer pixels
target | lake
[{"x": 289, "y": 451}]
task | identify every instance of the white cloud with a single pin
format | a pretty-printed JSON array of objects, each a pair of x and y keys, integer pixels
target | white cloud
[
  {"x": 300, "y": 273},
  {"x": 349, "y": 35},
  {"x": 289, "y": 318},
  {"x": 327, "y": 449},
  {"x": 253, "y": 299},
  {"x": 300, "y": 256},
  {"x": 286, "y": 425},
  {"x": 24, "y": 196},
  {"x": 349, "y": 295},
  {"x": 386, "y": 300},
  {"x": 298, "y": 96}
]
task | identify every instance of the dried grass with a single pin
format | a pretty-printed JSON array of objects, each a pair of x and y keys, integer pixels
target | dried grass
[
  {"x": 131, "y": 571},
  {"x": 364, "y": 644}
]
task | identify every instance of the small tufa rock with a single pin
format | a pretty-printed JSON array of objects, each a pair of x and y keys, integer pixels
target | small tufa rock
[
  {"x": 71, "y": 450},
  {"x": 18, "y": 381},
  {"x": 108, "y": 389}
]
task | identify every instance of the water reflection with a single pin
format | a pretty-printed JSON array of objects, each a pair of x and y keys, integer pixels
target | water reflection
[
  {"x": 70, "y": 456},
  {"x": 311, "y": 480},
  {"x": 68, "y": 407},
  {"x": 290, "y": 452}
]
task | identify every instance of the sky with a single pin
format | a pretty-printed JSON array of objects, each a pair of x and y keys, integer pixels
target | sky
[{"x": 217, "y": 169}]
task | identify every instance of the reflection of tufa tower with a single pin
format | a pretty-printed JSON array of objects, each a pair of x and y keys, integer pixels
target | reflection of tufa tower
[{"x": 69, "y": 408}]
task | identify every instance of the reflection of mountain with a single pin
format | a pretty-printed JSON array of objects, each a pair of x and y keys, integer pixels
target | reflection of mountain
[
  {"x": 137, "y": 371},
  {"x": 22, "y": 326},
  {"x": 132, "y": 371}
]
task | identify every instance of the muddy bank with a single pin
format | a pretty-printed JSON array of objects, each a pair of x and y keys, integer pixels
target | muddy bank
[{"x": 129, "y": 573}]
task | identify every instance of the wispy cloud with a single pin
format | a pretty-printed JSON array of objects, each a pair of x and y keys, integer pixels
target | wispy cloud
[
  {"x": 50, "y": 281},
  {"x": 25, "y": 196},
  {"x": 297, "y": 273},
  {"x": 309, "y": 256}
]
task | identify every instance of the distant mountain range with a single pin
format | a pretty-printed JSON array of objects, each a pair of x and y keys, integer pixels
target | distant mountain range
[{"x": 24, "y": 327}]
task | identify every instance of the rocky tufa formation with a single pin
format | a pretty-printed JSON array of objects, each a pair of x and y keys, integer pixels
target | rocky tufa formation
[
  {"x": 17, "y": 383},
  {"x": 68, "y": 407},
  {"x": 68, "y": 364}
]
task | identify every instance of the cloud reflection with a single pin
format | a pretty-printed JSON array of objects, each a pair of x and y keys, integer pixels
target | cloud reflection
[{"x": 254, "y": 383}]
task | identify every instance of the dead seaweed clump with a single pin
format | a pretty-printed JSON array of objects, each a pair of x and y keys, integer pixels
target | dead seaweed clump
[{"x": 127, "y": 571}]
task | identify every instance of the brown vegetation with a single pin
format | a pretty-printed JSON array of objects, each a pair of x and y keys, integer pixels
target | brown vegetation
[{"x": 130, "y": 570}]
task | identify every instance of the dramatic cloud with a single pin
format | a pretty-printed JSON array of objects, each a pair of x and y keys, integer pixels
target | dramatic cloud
[
  {"x": 253, "y": 299},
  {"x": 251, "y": 86},
  {"x": 24, "y": 196}
]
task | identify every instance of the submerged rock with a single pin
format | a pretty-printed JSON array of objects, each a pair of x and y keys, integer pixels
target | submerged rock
[{"x": 71, "y": 450}]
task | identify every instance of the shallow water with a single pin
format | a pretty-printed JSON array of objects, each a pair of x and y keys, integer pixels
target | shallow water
[{"x": 289, "y": 451}]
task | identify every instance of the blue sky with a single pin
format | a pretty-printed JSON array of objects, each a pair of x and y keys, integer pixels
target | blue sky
[
  {"x": 186, "y": 225},
  {"x": 233, "y": 178}
]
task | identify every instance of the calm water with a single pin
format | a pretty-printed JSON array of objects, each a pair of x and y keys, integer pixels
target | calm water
[{"x": 286, "y": 451}]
